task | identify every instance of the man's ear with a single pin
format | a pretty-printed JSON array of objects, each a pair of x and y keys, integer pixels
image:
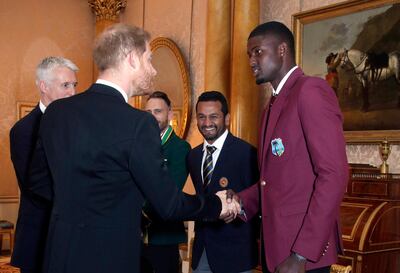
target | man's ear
[
  {"x": 282, "y": 49},
  {"x": 134, "y": 61},
  {"x": 227, "y": 120},
  {"x": 170, "y": 115},
  {"x": 43, "y": 87}
]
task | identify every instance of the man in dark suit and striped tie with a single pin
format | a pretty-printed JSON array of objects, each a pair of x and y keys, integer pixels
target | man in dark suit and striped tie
[{"x": 223, "y": 161}]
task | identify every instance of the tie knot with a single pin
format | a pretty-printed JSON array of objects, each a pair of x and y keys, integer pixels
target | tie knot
[{"x": 210, "y": 149}]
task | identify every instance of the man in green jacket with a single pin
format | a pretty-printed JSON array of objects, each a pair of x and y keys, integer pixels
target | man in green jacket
[{"x": 160, "y": 253}]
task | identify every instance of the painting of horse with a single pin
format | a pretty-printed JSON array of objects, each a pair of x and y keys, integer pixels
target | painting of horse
[
  {"x": 370, "y": 68},
  {"x": 355, "y": 47}
]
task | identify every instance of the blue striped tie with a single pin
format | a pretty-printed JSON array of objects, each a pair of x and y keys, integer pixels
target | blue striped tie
[{"x": 208, "y": 166}]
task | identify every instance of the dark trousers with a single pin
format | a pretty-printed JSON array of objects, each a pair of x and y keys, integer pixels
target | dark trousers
[
  {"x": 160, "y": 259},
  {"x": 21, "y": 270}
]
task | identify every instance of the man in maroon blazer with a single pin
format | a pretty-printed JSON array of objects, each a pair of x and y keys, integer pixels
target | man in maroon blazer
[{"x": 302, "y": 160}]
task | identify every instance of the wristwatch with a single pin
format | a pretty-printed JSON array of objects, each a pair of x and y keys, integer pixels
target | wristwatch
[{"x": 299, "y": 257}]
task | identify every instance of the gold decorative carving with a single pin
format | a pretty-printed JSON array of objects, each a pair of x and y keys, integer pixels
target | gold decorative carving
[
  {"x": 337, "y": 268},
  {"x": 349, "y": 261},
  {"x": 107, "y": 9}
]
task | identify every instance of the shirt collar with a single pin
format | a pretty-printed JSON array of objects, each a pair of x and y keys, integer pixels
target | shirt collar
[
  {"x": 166, "y": 134},
  {"x": 115, "y": 86},
  {"x": 42, "y": 106},
  {"x": 282, "y": 82},
  {"x": 218, "y": 143}
]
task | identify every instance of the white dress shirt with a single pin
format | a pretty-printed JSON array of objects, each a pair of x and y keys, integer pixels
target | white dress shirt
[
  {"x": 282, "y": 82},
  {"x": 42, "y": 107}
]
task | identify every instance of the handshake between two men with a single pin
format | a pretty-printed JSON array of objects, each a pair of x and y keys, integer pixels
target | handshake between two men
[{"x": 231, "y": 206}]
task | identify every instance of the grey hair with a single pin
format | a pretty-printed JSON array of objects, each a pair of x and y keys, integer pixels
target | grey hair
[{"x": 48, "y": 64}]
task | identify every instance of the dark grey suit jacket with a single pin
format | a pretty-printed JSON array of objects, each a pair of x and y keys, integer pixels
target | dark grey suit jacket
[
  {"x": 34, "y": 212},
  {"x": 105, "y": 159}
]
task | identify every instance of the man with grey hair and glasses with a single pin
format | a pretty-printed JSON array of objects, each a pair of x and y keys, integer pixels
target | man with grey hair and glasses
[{"x": 55, "y": 79}]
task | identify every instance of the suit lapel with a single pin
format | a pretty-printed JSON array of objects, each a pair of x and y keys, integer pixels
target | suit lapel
[
  {"x": 261, "y": 136},
  {"x": 197, "y": 158},
  {"x": 277, "y": 109}
]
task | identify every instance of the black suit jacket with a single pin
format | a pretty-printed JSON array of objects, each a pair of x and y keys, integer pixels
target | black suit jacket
[
  {"x": 104, "y": 158},
  {"x": 34, "y": 213},
  {"x": 230, "y": 247}
]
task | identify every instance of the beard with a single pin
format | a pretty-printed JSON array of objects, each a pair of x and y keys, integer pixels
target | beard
[
  {"x": 211, "y": 135},
  {"x": 261, "y": 80},
  {"x": 143, "y": 86},
  {"x": 163, "y": 125}
]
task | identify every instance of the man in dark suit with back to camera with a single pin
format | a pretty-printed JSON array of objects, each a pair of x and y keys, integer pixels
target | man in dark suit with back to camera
[
  {"x": 162, "y": 238},
  {"x": 103, "y": 160},
  {"x": 302, "y": 159},
  {"x": 222, "y": 161},
  {"x": 55, "y": 79}
]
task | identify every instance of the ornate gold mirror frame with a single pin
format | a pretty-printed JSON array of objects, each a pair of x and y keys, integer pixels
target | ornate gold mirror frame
[{"x": 173, "y": 78}]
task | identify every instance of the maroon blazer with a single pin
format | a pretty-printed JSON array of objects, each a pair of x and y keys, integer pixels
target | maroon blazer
[{"x": 300, "y": 191}]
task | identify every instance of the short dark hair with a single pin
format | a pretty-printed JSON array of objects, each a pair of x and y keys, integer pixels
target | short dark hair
[
  {"x": 160, "y": 95},
  {"x": 214, "y": 96},
  {"x": 278, "y": 30}
]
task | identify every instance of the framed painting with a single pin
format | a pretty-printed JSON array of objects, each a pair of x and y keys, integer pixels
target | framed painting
[
  {"x": 24, "y": 108},
  {"x": 355, "y": 46}
]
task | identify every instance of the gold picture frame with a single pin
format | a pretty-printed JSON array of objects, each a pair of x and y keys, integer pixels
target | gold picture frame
[
  {"x": 24, "y": 108},
  {"x": 360, "y": 126}
]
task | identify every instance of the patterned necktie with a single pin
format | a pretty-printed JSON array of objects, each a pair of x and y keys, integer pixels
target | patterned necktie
[{"x": 208, "y": 166}]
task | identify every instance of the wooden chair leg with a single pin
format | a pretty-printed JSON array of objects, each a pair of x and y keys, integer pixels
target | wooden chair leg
[
  {"x": 11, "y": 241},
  {"x": 1, "y": 242}
]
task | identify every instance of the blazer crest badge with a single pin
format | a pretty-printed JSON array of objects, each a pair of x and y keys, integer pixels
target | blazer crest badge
[{"x": 277, "y": 147}]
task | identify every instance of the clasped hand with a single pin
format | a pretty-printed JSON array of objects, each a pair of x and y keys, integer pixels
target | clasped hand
[{"x": 230, "y": 205}]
